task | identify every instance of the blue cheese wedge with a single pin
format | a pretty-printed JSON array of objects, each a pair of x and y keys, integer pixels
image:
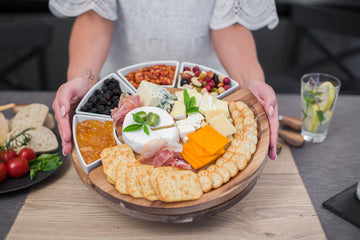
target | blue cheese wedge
[
  {"x": 137, "y": 139},
  {"x": 154, "y": 95}
]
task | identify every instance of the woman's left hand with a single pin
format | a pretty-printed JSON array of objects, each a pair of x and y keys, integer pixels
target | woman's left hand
[{"x": 266, "y": 96}]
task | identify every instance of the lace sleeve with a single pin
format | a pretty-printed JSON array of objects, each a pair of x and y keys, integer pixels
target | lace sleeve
[
  {"x": 252, "y": 14},
  {"x": 71, "y": 8}
]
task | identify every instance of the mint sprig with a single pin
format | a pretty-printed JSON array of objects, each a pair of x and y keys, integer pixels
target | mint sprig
[{"x": 189, "y": 103}]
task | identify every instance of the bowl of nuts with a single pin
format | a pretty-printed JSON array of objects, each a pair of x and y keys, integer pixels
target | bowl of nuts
[
  {"x": 103, "y": 96},
  {"x": 159, "y": 72},
  {"x": 205, "y": 79}
]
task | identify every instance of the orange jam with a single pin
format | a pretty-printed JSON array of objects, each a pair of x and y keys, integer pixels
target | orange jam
[{"x": 92, "y": 137}]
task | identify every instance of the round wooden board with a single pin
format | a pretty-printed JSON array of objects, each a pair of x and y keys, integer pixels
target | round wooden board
[{"x": 210, "y": 203}]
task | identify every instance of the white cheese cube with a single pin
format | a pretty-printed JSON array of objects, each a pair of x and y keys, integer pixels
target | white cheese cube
[
  {"x": 178, "y": 111},
  {"x": 184, "y": 130}
]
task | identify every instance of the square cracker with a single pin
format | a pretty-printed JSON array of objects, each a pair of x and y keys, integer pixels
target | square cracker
[
  {"x": 144, "y": 179},
  {"x": 174, "y": 186},
  {"x": 110, "y": 158},
  {"x": 121, "y": 183}
]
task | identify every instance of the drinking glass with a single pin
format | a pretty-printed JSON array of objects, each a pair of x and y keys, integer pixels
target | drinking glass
[{"x": 319, "y": 92}]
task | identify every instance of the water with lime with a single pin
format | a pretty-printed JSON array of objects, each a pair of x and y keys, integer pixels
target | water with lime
[{"x": 318, "y": 97}]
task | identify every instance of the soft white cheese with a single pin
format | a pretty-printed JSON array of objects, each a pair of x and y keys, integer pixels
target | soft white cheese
[{"x": 137, "y": 139}]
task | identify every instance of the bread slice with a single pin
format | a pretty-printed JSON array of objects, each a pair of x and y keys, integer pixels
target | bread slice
[
  {"x": 42, "y": 139},
  {"x": 32, "y": 115},
  {"x": 4, "y": 128},
  {"x": 110, "y": 157},
  {"x": 180, "y": 185}
]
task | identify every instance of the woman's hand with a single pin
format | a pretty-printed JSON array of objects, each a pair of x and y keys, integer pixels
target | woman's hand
[
  {"x": 67, "y": 97},
  {"x": 266, "y": 96}
]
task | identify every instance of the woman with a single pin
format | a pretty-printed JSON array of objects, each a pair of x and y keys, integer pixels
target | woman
[{"x": 111, "y": 34}]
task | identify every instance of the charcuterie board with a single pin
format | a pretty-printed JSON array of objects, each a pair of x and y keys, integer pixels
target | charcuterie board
[{"x": 210, "y": 203}]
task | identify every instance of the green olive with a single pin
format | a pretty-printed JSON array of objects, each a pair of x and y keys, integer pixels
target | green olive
[{"x": 152, "y": 119}]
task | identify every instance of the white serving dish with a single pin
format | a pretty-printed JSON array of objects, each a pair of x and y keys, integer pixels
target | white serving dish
[
  {"x": 233, "y": 84},
  {"x": 77, "y": 119},
  {"x": 124, "y": 71},
  {"x": 123, "y": 86}
]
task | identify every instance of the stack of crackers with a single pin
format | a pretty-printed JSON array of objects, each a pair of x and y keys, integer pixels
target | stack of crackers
[{"x": 129, "y": 176}]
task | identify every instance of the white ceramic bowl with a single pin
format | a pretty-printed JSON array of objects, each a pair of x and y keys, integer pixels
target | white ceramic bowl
[
  {"x": 124, "y": 71},
  {"x": 233, "y": 84},
  {"x": 123, "y": 86},
  {"x": 78, "y": 118}
]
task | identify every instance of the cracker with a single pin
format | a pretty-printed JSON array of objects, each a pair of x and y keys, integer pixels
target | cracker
[
  {"x": 110, "y": 157},
  {"x": 132, "y": 181},
  {"x": 231, "y": 166},
  {"x": 120, "y": 183},
  {"x": 202, "y": 172},
  {"x": 224, "y": 172},
  {"x": 205, "y": 183},
  {"x": 146, "y": 187},
  {"x": 211, "y": 168},
  {"x": 221, "y": 160},
  {"x": 180, "y": 185},
  {"x": 217, "y": 179}
]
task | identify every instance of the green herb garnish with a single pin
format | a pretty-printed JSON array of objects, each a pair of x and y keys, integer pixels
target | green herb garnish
[
  {"x": 151, "y": 119},
  {"x": 189, "y": 103},
  {"x": 16, "y": 141},
  {"x": 45, "y": 162}
]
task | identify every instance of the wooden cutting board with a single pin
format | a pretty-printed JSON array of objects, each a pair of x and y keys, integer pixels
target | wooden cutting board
[{"x": 210, "y": 203}]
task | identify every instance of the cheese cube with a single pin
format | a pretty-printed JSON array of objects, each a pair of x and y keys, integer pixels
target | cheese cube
[
  {"x": 184, "y": 130},
  {"x": 178, "y": 111},
  {"x": 222, "y": 124}
]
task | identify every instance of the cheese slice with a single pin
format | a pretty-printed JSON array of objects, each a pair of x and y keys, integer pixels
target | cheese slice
[
  {"x": 192, "y": 93},
  {"x": 178, "y": 111},
  {"x": 222, "y": 125}
]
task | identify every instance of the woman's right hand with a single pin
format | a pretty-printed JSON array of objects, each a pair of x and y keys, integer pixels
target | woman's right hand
[{"x": 67, "y": 97}]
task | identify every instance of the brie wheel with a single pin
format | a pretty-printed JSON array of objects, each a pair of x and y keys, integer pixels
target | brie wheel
[{"x": 137, "y": 139}]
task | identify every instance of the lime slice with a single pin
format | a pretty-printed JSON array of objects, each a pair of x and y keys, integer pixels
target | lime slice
[
  {"x": 327, "y": 95},
  {"x": 312, "y": 120}
]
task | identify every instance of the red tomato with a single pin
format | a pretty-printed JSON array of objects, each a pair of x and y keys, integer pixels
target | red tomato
[
  {"x": 17, "y": 167},
  {"x": 27, "y": 153},
  {"x": 7, "y": 156},
  {"x": 3, "y": 172}
]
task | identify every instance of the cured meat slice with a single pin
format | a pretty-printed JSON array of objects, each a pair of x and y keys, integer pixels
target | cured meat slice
[
  {"x": 126, "y": 104},
  {"x": 159, "y": 152}
]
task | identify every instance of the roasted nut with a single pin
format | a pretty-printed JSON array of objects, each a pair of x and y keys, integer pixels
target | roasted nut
[
  {"x": 220, "y": 84},
  {"x": 221, "y": 90},
  {"x": 195, "y": 82},
  {"x": 187, "y": 86},
  {"x": 203, "y": 90},
  {"x": 210, "y": 74},
  {"x": 187, "y": 75},
  {"x": 221, "y": 78}
]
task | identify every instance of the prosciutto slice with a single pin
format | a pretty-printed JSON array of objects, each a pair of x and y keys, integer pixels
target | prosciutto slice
[
  {"x": 159, "y": 152},
  {"x": 126, "y": 104}
]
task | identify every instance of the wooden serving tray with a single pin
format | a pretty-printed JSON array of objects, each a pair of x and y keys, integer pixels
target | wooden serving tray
[{"x": 210, "y": 203}]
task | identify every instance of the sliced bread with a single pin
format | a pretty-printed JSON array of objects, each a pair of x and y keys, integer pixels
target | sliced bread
[
  {"x": 32, "y": 115},
  {"x": 42, "y": 139}
]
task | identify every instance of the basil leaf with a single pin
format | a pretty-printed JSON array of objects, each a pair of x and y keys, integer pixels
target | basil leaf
[
  {"x": 133, "y": 127},
  {"x": 146, "y": 130},
  {"x": 186, "y": 98},
  {"x": 137, "y": 118},
  {"x": 192, "y": 101},
  {"x": 193, "y": 110},
  {"x": 45, "y": 162}
]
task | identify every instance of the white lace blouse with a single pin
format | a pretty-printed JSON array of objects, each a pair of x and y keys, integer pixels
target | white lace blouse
[{"x": 149, "y": 30}]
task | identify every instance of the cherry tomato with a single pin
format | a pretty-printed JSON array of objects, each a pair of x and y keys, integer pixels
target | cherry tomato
[
  {"x": 7, "y": 156},
  {"x": 17, "y": 167},
  {"x": 27, "y": 153},
  {"x": 3, "y": 171}
]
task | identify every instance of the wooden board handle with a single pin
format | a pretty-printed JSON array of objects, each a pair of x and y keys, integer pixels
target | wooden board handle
[
  {"x": 294, "y": 139},
  {"x": 291, "y": 122}
]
